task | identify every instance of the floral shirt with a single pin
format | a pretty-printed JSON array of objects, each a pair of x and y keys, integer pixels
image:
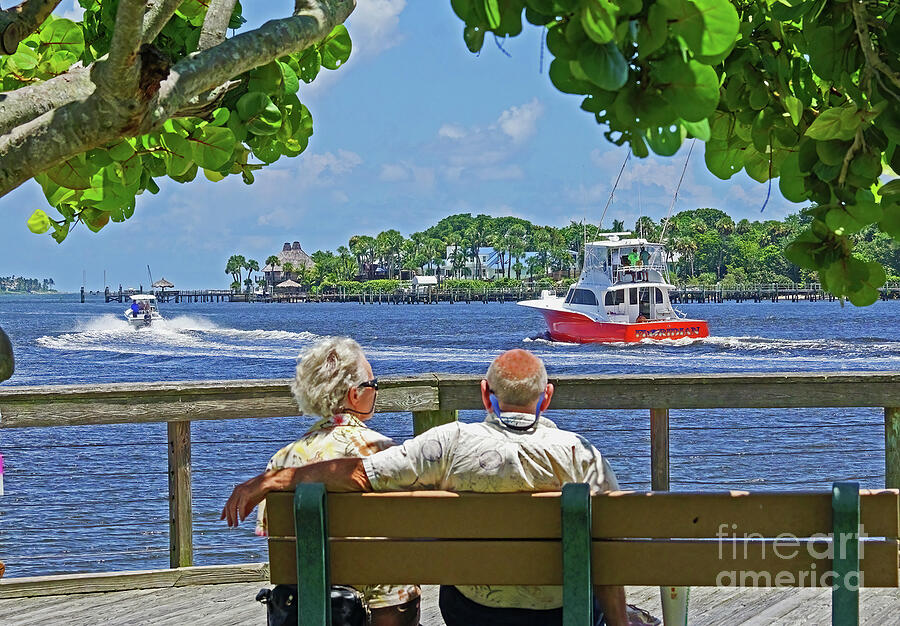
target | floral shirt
[
  {"x": 337, "y": 437},
  {"x": 488, "y": 457}
]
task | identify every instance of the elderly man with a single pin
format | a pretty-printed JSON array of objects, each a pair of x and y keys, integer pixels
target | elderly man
[{"x": 514, "y": 449}]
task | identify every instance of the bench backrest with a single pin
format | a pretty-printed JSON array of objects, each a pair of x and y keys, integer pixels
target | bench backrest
[{"x": 636, "y": 538}]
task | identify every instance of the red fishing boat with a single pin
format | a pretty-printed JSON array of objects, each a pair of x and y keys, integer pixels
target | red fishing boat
[{"x": 621, "y": 295}]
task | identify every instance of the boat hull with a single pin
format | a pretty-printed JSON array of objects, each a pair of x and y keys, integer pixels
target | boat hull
[{"x": 577, "y": 328}]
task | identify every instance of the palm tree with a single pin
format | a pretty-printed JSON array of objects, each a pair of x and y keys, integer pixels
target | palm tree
[
  {"x": 515, "y": 245},
  {"x": 235, "y": 267},
  {"x": 287, "y": 270},
  {"x": 252, "y": 265}
]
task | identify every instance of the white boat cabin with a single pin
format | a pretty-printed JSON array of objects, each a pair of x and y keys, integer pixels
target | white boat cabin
[{"x": 623, "y": 280}]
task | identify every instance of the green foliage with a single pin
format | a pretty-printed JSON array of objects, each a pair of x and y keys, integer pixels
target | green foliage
[
  {"x": 381, "y": 286},
  {"x": 258, "y": 121},
  {"x": 800, "y": 90},
  {"x": 466, "y": 283}
]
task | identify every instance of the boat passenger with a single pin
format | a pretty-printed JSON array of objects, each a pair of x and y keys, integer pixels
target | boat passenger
[
  {"x": 645, "y": 260},
  {"x": 135, "y": 308},
  {"x": 514, "y": 449},
  {"x": 334, "y": 380}
]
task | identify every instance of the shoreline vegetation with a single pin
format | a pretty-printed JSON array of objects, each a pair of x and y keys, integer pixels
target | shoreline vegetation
[
  {"x": 20, "y": 285},
  {"x": 705, "y": 247}
]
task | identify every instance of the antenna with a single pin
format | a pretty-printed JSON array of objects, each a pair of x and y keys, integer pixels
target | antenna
[
  {"x": 151, "y": 276},
  {"x": 613, "y": 190},
  {"x": 675, "y": 196},
  {"x": 640, "y": 215}
]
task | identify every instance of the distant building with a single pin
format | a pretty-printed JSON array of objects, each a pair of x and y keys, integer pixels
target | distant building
[
  {"x": 291, "y": 253},
  {"x": 491, "y": 267}
]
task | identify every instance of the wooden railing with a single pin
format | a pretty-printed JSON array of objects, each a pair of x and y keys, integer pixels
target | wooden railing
[{"x": 434, "y": 399}]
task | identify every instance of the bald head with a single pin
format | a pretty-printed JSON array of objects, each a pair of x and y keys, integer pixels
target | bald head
[{"x": 517, "y": 377}]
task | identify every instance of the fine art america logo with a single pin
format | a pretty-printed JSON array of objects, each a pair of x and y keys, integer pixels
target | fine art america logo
[
  {"x": 689, "y": 331},
  {"x": 812, "y": 554}
]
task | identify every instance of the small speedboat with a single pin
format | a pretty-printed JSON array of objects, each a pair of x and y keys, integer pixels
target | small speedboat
[
  {"x": 143, "y": 311},
  {"x": 622, "y": 295}
]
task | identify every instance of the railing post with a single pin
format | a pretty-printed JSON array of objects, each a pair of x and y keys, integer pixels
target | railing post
[
  {"x": 892, "y": 447},
  {"x": 659, "y": 449},
  {"x": 425, "y": 420},
  {"x": 181, "y": 544},
  {"x": 674, "y": 599}
]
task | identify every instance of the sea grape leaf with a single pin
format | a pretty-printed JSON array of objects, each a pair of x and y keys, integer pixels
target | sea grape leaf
[
  {"x": 837, "y": 123},
  {"x": 598, "y": 18},
  {"x": 603, "y": 65},
  {"x": 211, "y": 146},
  {"x": 336, "y": 47},
  {"x": 691, "y": 88},
  {"x": 259, "y": 113},
  {"x": 39, "y": 222}
]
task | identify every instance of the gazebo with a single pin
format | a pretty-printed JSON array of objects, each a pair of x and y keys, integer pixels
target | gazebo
[
  {"x": 163, "y": 284},
  {"x": 288, "y": 284}
]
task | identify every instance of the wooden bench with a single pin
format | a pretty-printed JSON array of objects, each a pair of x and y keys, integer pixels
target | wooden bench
[{"x": 734, "y": 538}]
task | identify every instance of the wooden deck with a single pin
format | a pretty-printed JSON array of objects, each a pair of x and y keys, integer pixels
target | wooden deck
[{"x": 224, "y": 604}]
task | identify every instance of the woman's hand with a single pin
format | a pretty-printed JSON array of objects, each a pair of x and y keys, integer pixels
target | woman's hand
[{"x": 244, "y": 499}]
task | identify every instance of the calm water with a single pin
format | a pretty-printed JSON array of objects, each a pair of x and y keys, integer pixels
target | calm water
[{"x": 93, "y": 498}]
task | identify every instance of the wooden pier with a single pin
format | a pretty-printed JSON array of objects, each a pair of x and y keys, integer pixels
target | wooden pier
[
  {"x": 233, "y": 604},
  {"x": 181, "y": 594},
  {"x": 684, "y": 294}
]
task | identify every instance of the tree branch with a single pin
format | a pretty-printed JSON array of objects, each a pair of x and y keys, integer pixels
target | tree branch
[
  {"x": 159, "y": 12},
  {"x": 55, "y": 136},
  {"x": 68, "y": 122},
  {"x": 865, "y": 42},
  {"x": 22, "y": 20},
  {"x": 215, "y": 23},
  {"x": 118, "y": 74},
  {"x": 26, "y": 103},
  {"x": 201, "y": 71}
]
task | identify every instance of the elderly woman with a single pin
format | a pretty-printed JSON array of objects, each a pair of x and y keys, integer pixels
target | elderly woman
[{"x": 334, "y": 381}]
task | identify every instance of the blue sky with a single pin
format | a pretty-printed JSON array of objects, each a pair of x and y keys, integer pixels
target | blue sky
[{"x": 412, "y": 128}]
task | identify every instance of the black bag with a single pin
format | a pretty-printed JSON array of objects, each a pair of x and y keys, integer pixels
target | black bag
[{"x": 348, "y": 607}]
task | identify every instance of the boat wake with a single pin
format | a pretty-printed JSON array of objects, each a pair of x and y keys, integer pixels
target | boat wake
[
  {"x": 183, "y": 335},
  {"x": 727, "y": 352}
]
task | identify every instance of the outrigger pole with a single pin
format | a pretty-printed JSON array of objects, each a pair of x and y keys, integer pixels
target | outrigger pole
[{"x": 675, "y": 195}]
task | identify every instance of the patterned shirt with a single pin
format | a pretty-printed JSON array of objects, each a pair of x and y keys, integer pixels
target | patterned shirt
[
  {"x": 337, "y": 437},
  {"x": 488, "y": 457}
]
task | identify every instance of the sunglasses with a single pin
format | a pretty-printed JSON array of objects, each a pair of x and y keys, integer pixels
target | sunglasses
[{"x": 369, "y": 383}]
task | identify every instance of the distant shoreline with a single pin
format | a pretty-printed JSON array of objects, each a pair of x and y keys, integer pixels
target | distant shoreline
[{"x": 33, "y": 293}]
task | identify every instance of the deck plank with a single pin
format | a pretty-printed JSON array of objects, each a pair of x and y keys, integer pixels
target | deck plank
[{"x": 233, "y": 603}]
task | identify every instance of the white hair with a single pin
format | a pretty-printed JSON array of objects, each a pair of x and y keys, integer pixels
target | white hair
[
  {"x": 517, "y": 391},
  {"x": 326, "y": 370}
]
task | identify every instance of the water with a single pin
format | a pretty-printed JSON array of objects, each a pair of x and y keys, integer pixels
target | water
[{"x": 94, "y": 498}]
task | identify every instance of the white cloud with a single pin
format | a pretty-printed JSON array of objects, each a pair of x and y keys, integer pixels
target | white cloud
[
  {"x": 373, "y": 28},
  {"x": 394, "y": 172},
  {"x": 278, "y": 217},
  {"x": 452, "y": 131},
  {"x": 520, "y": 122},
  {"x": 373, "y": 25},
  {"x": 70, "y": 10},
  {"x": 340, "y": 197},
  {"x": 505, "y": 172},
  {"x": 321, "y": 169}
]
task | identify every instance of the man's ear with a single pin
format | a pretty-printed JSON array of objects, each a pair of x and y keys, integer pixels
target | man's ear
[
  {"x": 486, "y": 396},
  {"x": 548, "y": 393}
]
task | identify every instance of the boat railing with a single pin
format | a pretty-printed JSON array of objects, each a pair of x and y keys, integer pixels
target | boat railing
[{"x": 154, "y": 490}]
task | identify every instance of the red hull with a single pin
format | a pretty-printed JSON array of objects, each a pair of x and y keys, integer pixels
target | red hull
[{"x": 576, "y": 328}]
